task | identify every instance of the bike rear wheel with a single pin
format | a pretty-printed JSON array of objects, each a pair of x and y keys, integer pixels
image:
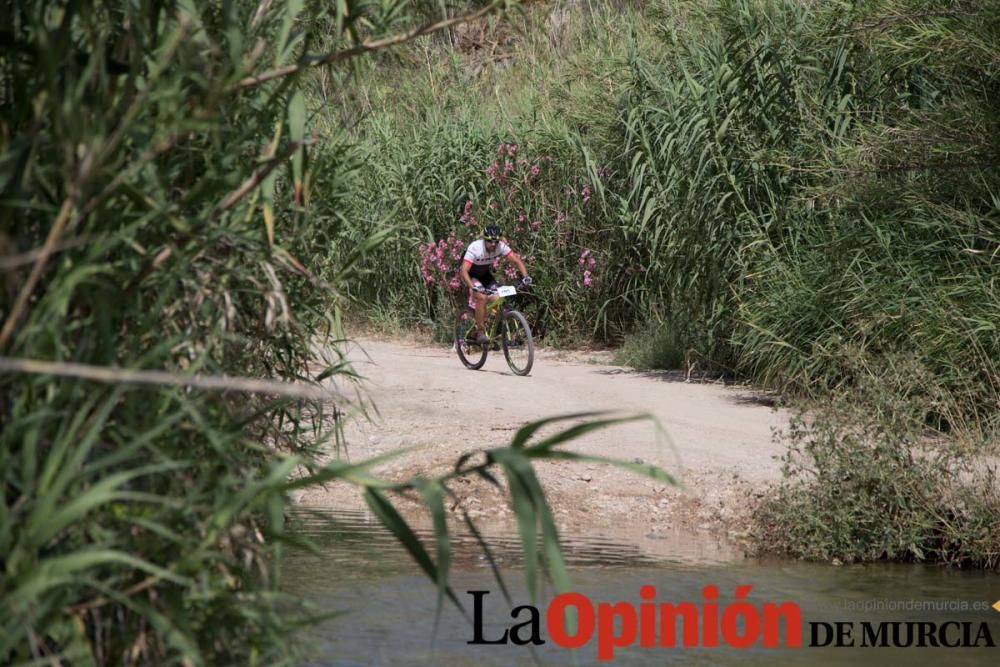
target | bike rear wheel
[
  {"x": 518, "y": 346},
  {"x": 471, "y": 354}
]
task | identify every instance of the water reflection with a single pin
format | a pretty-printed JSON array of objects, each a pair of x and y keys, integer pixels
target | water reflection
[{"x": 388, "y": 610}]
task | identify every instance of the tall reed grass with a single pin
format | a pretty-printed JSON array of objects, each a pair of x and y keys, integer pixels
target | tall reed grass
[
  {"x": 803, "y": 195},
  {"x": 176, "y": 245},
  {"x": 149, "y": 258},
  {"x": 788, "y": 185},
  {"x": 163, "y": 207}
]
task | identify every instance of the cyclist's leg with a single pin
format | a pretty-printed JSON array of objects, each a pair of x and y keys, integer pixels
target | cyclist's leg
[
  {"x": 491, "y": 288},
  {"x": 490, "y": 284},
  {"x": 477, "y": 301}
]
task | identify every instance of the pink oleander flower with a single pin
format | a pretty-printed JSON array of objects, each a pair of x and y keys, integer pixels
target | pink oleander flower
[
  {"x": 535, "y": 170},
  {"x": 521, "y": 217},
  {"x": 437, "y": 261},
  {"x": 468, "y": 219},
  {"x": 588, "y": 279},
  {"x": 535, "y": 224},
  {"x": 585, "y": 193}
]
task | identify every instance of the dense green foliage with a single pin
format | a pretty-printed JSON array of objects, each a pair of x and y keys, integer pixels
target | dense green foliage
[
  {"x": 792, "y": 192},
  {"x": 139, "y": 524},
  {"x": 860, "y": 486},
  {"x": 168, "y": 347},
  {"x": 804, "y": 195},
  {"x": 156, "y": 215}
]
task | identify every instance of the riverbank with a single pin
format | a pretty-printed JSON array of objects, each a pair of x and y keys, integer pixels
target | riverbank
[{"x": 719, "y": 443}]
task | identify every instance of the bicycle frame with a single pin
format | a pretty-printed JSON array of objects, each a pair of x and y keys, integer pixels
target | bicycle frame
[
  {"x": 514, "y": 339},
  {"x": 491, "y": 319},
  {"x": 493, "y": 310}
]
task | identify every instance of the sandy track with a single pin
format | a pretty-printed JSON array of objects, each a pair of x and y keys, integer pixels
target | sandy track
[{"x": 721, "y": 445}]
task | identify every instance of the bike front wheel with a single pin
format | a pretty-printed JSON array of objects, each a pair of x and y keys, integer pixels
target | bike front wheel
[
  {"x": 518, "y": 346},
  {"x": 471, "y": 354}
]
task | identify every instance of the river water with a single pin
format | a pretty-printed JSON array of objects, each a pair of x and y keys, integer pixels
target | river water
[{"x": 386, "y": 609}]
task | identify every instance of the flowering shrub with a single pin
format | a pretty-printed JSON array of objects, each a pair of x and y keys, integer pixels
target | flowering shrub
[
  {"x": 587, "y": 263},
  {"x": 439, "y": 261},
  {"x": 468, "y": 218},
  {"x": 546, "y": 211}
]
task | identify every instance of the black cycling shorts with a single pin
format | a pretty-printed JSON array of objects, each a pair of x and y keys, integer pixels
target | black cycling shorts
[{"x": 489, "y": 284}]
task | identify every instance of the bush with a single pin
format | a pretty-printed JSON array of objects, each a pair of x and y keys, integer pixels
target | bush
[
  {"x": 157, "y": 226},
  {"x": 865, "y": 486},
  {"x": 657, "y": 346},
  {"x": 162, "y": 244}
]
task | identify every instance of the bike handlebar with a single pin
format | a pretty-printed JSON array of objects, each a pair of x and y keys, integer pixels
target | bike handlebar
[{"x": 521, "y": 288}]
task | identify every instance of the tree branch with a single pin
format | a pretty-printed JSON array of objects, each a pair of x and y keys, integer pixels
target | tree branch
[
  {"x": 11, "y": 262},
  {"x": 231, "y": 200},
  {"x": 364, "y": 47},
  {"x": 889, "y": 21},
  {"x": 255, "y": 179},
  {"x": 36, "y": 271},
  {"x": 112, "y": 375}
]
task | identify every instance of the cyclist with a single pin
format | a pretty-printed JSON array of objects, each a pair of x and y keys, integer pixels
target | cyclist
[{"x": 475, "y": 273}]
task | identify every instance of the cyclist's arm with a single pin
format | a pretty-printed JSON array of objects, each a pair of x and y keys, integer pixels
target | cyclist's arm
[
  {"x": 464, "y": 273},
  {"x": 512, "y": 256}
]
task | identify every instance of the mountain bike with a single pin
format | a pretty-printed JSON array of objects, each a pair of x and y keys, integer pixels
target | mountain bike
[{"x": 503, "y": 321}]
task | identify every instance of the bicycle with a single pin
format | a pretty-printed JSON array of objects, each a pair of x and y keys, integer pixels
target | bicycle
[{"x": 515, "y": 334}]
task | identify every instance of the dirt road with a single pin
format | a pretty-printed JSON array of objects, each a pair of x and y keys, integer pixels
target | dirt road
[{"x": 720, "y": 437}]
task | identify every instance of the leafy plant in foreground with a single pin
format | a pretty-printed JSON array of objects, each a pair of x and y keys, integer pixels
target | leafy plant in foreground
[
  {"x": 867, "y": 487},
  {"x": 160, "y": 317}
]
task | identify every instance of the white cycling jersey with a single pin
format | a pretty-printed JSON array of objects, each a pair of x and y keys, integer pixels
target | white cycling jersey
[{"x": 480, "y": 259}]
